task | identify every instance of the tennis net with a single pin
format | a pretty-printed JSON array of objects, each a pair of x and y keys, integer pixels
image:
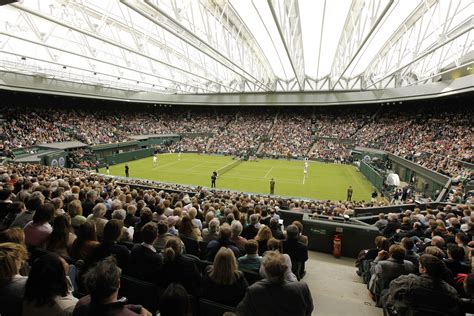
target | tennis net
[{"x": 230, "y": 166}]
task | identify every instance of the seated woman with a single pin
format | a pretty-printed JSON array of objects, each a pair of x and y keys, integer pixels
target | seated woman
[
  {"x": 178, "y": 268},
  {"x": 48, "y": 290},
  {"x": 85, "y": 243},
  {"x": 38, "y": 230},
  {"x": 62, "y": 237},
  {"x": 98, "y": 218},
  {"x": 12, "y": 284},
  {"x": 263, "y": 236},
  {"x": 109, "y": 246},
  {"x": 223, "y": 282},
  {"x": 187, "y": 229},
  {"x": 212, "y": 232}
]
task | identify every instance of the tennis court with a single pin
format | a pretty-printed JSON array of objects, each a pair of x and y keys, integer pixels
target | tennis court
[{"x": 324, "y": 181}]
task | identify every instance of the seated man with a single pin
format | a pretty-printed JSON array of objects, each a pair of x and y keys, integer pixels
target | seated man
[
  {"x": 387, "y": 270},
  {"x": 251, "y": 261},
  {"x": 103, "y": 283},
  {"x": 145, "y": 261},
  {"x": 427, "y": 294},
  {"x": 223, "y": 241},
  {"x": 274, "y": 295}
]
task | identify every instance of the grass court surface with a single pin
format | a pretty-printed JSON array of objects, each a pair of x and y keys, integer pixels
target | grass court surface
[{"x": 325, "y": 181}]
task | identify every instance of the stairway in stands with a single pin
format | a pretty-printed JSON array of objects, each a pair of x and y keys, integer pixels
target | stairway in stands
[{"x": 270, "y": 132}]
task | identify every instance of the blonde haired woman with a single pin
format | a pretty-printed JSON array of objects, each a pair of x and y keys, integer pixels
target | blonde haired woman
[
  {"x": 12, "y": 284},
  {"x": 98, "y": 219},
  {"x": 223, "y": 282},
  {"x": 263, "y": 236}
]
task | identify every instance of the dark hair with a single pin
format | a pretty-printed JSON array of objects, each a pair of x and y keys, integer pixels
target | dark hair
[
  {"x": 44, "y": 213},
  {"x": 407, "y": 243},
  {"x": 463, "y": 238},
  {"x": 59, "y": 238},
  {"x": 103, "y": 280},
  {"x": 434, "y": 266},
  {"x": 162, "y": 227},
  {"x": 175, "y": 301},
  {"x": 16, "y": 207},
  {"x": 186, "y": 226},
  {"x": 146, "y": 216},
  {"x": 292, "y": 232},
  {"x": 149, "y": 232},
  {"x": 456, "y": 252},
  {"x": 251, "y": 247},
  {"x": 47, "y": 279},
  {"x": 34, "y": 203},
  {"x": 5, "y": 194},
  {"x": 112, "y": 230},
  {"x": 86, "y": 232}
]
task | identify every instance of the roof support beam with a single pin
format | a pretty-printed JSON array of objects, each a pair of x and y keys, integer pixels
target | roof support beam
[
  {"x": 353, "y": 23},
  {"x": 177, "y": 29},
  {"x": 105, "y": 40},
  {"x": 288, "y": 24}
]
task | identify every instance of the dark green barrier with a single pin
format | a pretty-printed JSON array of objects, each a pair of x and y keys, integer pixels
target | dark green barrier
[
  {"x": 373, "y": 176},
  {"x": 128, "y": 156},
  {"x": 289, "y": 217},
  {"x": 55, "y": 159},
  {"x": 355, "y": 237}
]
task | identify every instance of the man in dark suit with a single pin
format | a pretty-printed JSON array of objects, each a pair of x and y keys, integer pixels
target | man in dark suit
[
  {"x": 5, "y": 202},
  {"x": 145, "y": 261},
  {"x": 250, "y": 231},
  {"x": 89, "y": 203},
  {"x": 274, "y": 296},
  {"x": 297, "y": 251}
]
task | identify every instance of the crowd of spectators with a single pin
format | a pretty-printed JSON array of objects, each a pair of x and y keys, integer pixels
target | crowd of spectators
[
  {"x": 422, "y": 262},
  {"x": 68, "y": 215},
  {"x": 439, "y": 139},
  {"x": 329, "y": 150},
  {"x": 290, "y": 136}
]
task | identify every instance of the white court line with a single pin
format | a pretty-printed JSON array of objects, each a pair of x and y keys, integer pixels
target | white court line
[
  {"x": 169, "y": 164},
  {"x": 266, "y": 174},
  {"x": 189, "y": 169}
]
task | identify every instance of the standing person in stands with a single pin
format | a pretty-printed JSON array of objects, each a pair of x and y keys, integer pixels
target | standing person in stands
[
  {"x": 274, "y": 295},
  {"x": 213, "y": 179},
  {"x": 272, "y": 186},
  {"x": 297, "y": 251},
  {"x": 349, "y": 193},
  {"x": 126, "y": 170}
]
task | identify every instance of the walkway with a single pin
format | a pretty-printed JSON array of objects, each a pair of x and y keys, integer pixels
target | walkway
[{"x": 336, "y": 288}]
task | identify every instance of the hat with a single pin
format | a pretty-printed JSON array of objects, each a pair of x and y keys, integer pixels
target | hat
[
  {"x": 172, "y": 220},
  {"x": 186, "y": 199}
]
